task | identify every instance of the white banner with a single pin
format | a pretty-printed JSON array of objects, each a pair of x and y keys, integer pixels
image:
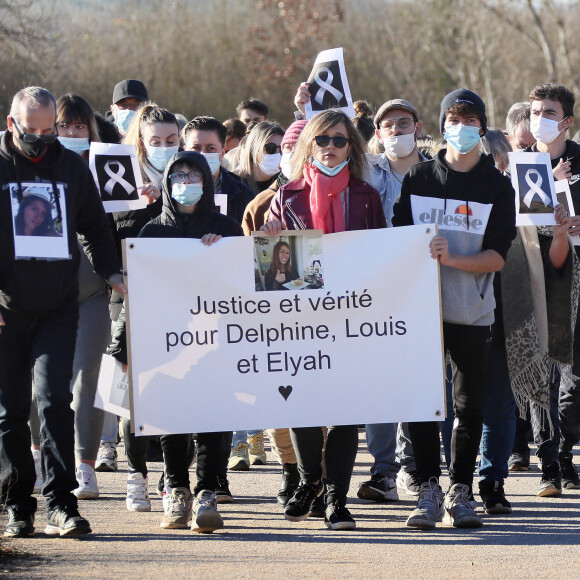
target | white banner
[{"x": 211, "y": 353}]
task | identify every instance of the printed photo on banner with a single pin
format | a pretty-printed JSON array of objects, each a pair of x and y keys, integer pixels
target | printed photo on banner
[
  {"x": 533, "y": 182},
  {"x": 328, "y": 84},
  {"x": 115, "y": 169},
  {"x": 289, "y": 261},
  {"x": 221, "y": 202},
  {"x": 39, "y": 220}
]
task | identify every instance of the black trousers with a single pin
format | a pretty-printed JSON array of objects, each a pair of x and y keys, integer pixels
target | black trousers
[
  {"x": 340, "y": 455},
  {"x": 469, "y": 348}
]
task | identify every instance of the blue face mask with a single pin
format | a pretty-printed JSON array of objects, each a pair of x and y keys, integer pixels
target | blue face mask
[
  {"x": 462, "y": 137},
  {"x": 123, "y": 118},
  {"x": 160, "y": 156},
  {"x": 77, "y": 144},
  {"x": 330, "y": 171},
  {"x": 187, "y": 193}
]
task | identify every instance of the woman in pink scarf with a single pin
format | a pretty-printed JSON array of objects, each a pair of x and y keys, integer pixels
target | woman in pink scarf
[{"x": 327, "y": 193}]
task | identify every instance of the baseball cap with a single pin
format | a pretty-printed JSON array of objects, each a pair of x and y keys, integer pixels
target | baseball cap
[
  {"x": 395, "y": 104},
  {"x": 130, "y": 88}
]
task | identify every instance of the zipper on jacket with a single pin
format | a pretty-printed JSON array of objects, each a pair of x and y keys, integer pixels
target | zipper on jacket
[{"x": 297, "y": 221}]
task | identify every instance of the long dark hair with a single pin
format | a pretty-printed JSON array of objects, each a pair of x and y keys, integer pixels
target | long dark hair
[
  {"x": 44, "y": 227},
  {"x": 275, "y": 265}
]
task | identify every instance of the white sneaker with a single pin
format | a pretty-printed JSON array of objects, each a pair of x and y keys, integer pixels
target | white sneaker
[
  {"x": 205, "y": 517},
  {"x": 137, "y": 493},
  {"x": 36, "y": 455},
  {"x": 178, "y": 513},
  {"x": 88, "y": 488},
  {"x": 106, "y": 457}
]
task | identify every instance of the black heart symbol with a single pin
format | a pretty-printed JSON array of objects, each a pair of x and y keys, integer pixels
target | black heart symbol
[{"x": 285, "y": 391}]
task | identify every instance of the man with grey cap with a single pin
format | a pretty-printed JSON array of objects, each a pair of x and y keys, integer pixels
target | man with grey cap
[{"x": 397, "y": 127}]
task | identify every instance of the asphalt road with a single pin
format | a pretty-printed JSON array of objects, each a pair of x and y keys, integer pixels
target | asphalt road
[{"x": 540, "y": 539}]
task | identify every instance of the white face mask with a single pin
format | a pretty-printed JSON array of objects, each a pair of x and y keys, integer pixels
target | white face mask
[
  {"x": 400, "y": 145},
  {"x": 545, "y": 130},
  {"x": 160, "y": 156},
  {"x": 286, "y": 165},
  {"x": 77, "y": 144},
  {"x": 213, "y": 160},
  {"x": 270, "y": 164}
]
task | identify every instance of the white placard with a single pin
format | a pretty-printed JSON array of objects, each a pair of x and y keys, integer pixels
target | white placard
[
  {"x": 328, "y": 85},
  {"x": 210, "y": 353},
  {"x": 112, "y": 393},
  {"x": 115, "y": 169},
  {"x": 533, "y": 182},
  {"x": 221, "y": 202},
  {"x": 40, "y": 231},
  {"x": 564, "y": 196}
]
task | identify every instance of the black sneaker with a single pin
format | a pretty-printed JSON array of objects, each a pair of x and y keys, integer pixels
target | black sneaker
[
  {"x": 318, "y": 508},
  {"x": 570, "y": 479},
  {"x": 289, "y": 483},
  {"x": 20, "y": 523},
  {"x": 66, "y": 521},
  {"x": 493, "y": 497},
  {"x": 299, "y": 505},
  {"x": 519, "y": 461},
  {"x": 222, "y": 491},
  {"x": 337, "y": 517},
  {"x": 551, "y": 483},
  {"x": 378, "y": 488}
]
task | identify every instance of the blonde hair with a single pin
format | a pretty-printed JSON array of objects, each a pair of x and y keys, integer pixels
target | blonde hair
[
  {"x": 318, "y": 125},
  {"x": 149, "y": 114},
  {"x": 251, "y": 152}
]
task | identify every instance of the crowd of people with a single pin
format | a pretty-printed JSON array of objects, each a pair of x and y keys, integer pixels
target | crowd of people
[{"x": 509, "y": 299}]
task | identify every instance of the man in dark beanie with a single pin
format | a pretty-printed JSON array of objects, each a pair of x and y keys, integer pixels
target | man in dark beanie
[{"x": 472, "y": 204}]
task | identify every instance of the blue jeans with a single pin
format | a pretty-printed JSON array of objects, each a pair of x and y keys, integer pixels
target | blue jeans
[
  {"x": 499, "y": 419},
  {"x": 447, "y": 425},
  {"x": 404, "y": 451},
  {"x": 39, "y": 347},
  {"x": 382, "y": 441},
  {"x": 242, "y": 436}
]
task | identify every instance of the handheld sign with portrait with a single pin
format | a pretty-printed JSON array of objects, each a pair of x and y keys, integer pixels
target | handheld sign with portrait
[
  {"x": 39, "y": 220},
  {"x": 333, "y": 349},
  {"x": 115, "y": 169},
  {"x": 533, "y": 182},
  {"x": 328, "y": 84},
  {"x": 564, "y": 197}
]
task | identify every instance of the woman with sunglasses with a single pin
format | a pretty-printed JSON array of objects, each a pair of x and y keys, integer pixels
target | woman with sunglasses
[
  {"x": 326, "y": 193},
  {"x": 260, "y": 156},
  {"x": 188, "y": 212}
]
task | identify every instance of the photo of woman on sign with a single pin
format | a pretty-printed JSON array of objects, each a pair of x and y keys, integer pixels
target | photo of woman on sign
[
  {"x": 34, "y": 216},
  {"x": 281, "y": 270}
]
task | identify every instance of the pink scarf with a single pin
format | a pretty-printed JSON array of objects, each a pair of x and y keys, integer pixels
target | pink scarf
[{"x": 325, "y": 202}]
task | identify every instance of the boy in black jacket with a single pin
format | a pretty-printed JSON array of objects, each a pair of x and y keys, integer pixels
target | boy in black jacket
[{"x": 472, "y": 204}]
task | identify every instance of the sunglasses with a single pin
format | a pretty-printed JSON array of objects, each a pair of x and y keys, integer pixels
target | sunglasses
[
  {"x": 400, "y": 123},
  {"x": 271, "y": 148},
  {"x": 324, "y": 140},
  {"x": 180, "y": 177},
  {"x": 32, "y": 137}
]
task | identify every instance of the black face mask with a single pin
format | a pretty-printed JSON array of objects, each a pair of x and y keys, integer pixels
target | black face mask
[
  {"x": 32, "y": 145},
  {"x": 35, "y": 149}
]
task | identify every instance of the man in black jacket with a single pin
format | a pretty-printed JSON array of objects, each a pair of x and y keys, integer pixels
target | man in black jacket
[
  {"x": 39, "y": 312},
  {"x": 207, "y": 136}
]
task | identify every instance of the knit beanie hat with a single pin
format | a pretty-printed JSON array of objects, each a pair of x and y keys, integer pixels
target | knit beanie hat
[
  {"x": 463, "y": 96},
  {"x": 293, "y": 132}
]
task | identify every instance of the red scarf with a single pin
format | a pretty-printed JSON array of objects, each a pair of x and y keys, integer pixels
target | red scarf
[{"x": 325, "y": 202}]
